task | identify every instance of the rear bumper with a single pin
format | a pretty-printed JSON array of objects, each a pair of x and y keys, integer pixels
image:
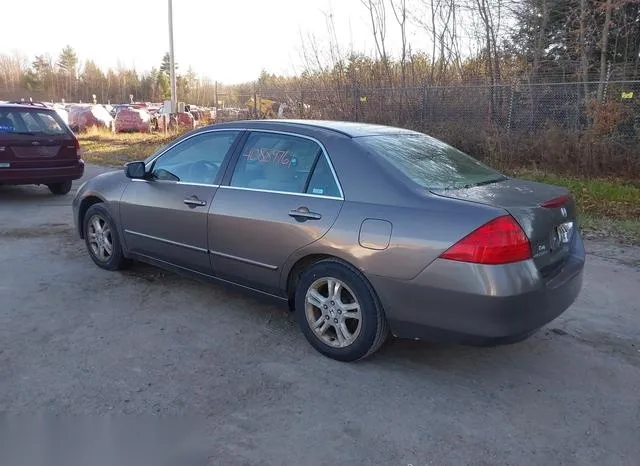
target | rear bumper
[
  {"x": 466, "y": 303},
  {"x": 42, "y": 175}
]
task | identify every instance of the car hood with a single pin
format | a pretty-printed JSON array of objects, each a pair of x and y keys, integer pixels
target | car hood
[
  {"x": 115, "y": 176},
  {"x": 107, "y": 186}
]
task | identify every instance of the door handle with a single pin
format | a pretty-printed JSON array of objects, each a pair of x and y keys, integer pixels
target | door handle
[
  {"x": 193, "y": 201},
  {"x": 303, "y": 213}
]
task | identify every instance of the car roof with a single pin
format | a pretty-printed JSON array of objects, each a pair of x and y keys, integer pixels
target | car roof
[
  {"x": 25, "y": 106},
  {"x": 346, "y": 128}
]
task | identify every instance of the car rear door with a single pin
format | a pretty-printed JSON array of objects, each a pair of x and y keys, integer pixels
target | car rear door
[
  {"x": 165, "y": 217},
  {"x": 279, "y": 195},
  {"x": 35, "y": 139}
]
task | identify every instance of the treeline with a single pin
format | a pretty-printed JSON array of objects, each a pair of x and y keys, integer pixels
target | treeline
[
  {"x": 65, "y": 78},
  {"x": 464, "y": 42},
  {"x": 532, "y": 41}
]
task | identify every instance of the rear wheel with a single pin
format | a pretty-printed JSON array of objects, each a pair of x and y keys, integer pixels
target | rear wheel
[
  {"x": 338, "y": 311},
  {"x": 60, "y": 188},
  {"x": 101, "y": 238}
]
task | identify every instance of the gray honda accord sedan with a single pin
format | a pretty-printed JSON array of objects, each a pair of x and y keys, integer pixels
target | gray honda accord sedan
[{"x": 363, "y": 230}]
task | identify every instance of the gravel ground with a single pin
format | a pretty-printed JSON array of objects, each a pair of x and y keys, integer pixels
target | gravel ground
[{"x": 75, "y": 339}]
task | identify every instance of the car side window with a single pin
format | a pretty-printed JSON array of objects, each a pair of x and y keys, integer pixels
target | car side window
[
  {"x": 195, "y": 160},
  {"x": 322, "y": 181},
  {"x": 275, "y": 162}
]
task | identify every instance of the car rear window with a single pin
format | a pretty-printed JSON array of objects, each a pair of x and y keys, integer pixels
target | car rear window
[
  {"x": 430, "y": 163},
  {"x": 36, "y": 122}
]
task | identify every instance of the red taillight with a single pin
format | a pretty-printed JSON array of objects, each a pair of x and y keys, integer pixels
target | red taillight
[
  {"x": 556, "y": 202},
  {"x": 76, "y": 143},
  {"x": 500, "y": 241}
]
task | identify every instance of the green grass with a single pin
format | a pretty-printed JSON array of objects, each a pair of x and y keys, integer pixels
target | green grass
[
  {"x": 105, "y": 148},
  {"x": 607, "y": 207},
  {"x": 625, "y": 231}
]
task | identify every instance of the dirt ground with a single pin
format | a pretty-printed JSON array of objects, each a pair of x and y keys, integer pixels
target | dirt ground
[{"x": 79, "y": 340}]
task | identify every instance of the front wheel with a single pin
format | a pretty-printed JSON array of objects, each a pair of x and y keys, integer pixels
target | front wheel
[
  {"x": 338, "y": 311},
  {"x": 101, "y": 238},
  {"x": 60, "y": 189}
]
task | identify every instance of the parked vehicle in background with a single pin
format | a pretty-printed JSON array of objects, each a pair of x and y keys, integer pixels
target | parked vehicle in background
[
  {"x": 231, "y": 114},
  {"x": 37, "y": 147},
  {"x": 62, "y": 112},
  {"x": 174, "y": 121},
  {"x": 202, "y": 115},
  {"x": 360, "y": 228},
  {"x": 132, "y": 120},
  {"x": 153, "y": 109},
  {"x": 85, "y": 116}
]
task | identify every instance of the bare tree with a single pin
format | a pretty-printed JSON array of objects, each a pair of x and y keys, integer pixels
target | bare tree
[
  {"x": 447, "y": 38},
  {"x": 435, "y": 5},
  {"x": 485, "y": 13},
  {"x": 11, "y": 70},
  {"x": 311, "y": 54},
  {"x": 399, "y": 8},
  {"x": 490, "y": 14},
  {"x": 604, "y": 42},
  {"x": 441, "y": 24},
  {"x": 378, "y": 17},
  {"x": 584, "y": 61}
]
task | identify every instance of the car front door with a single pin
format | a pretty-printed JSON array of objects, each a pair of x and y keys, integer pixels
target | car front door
[
  {"x": 165, "y": 216},
  {"x": 279, "y": 195}
]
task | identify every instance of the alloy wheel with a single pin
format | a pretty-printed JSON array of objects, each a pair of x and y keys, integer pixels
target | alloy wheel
[
  {"x": 333, "y": 312},
  {"x": 100, "y": 238}
]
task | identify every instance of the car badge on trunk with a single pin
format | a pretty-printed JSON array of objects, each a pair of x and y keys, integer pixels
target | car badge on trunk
[
  {"x": 563, "y": 211},
  {"x": 35, "y": 143}
]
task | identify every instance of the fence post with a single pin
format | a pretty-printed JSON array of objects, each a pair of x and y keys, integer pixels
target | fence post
[
  {"x": 355, "y": 102},
  {"x": 301, "y": 103},
  {"x": 255, "y": 102},
  {"x": 606, "y": 84},
  {"x": 510, "y": 116},
  {"x": 424, "y": 104}
]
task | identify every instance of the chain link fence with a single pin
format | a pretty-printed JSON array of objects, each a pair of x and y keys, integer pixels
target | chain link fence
[{"x": 523, "y": 108}]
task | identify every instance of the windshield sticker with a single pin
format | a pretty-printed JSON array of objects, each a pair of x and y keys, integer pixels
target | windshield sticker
[{"x": 279, "y": 157}]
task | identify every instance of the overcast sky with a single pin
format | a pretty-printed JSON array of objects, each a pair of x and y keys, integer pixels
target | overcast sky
[{"x": 226, "y": 40}]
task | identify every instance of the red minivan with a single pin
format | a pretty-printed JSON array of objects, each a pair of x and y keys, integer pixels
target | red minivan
[{"x": 37, "y": 147}]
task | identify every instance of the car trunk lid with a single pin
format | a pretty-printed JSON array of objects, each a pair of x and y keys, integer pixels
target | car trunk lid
[
  {"x": 33, "y": 151},
  {"x": 546, "y": 213}
]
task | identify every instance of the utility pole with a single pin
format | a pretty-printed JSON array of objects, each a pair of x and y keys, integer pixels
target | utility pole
[{"x": 172, "y": 61}]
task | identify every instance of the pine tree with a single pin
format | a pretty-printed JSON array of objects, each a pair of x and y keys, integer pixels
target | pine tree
[{"x": 68, "y": 64}]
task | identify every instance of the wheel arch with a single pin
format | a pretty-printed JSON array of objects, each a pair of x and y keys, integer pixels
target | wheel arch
[
  {"x": 296, "y": 271},
  {"x": 87, "y": 202},
  {"x": 303, "y": 263}
]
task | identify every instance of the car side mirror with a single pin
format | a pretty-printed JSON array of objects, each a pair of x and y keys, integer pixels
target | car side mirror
[{"x": 135, "y": 170}]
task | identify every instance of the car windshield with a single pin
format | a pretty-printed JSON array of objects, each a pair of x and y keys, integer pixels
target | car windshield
[
  {"x": 33, "y": 122},
  {"x": 430, "y": 163}
]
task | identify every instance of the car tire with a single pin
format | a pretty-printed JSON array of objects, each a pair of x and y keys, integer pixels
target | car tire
[
  {"x": 102, "y": 239},
  {"x": 60, "y": 189},
  {"x": 346, "y": 326}
]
